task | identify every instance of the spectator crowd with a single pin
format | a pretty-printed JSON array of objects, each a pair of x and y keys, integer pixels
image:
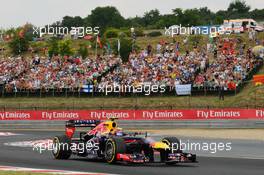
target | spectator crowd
[
  {"x": 229, "y": 68},
  {"x": 165, "y": 68},
  {"x": 55, "y": 73},
  {"x": 163, "y": 65}
]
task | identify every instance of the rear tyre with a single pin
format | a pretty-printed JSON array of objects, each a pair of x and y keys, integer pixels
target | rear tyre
[
  {"x": 61, "y": 147},
  {"x": 174, "y": 147},
  {"x": 114, "y": 146}
]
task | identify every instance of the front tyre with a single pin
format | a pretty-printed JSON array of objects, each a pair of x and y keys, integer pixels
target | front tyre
[
  {"x": 61, "y": 147},
  {"x": 174, "y": 147},
  {"x": 113, "y": 147}
]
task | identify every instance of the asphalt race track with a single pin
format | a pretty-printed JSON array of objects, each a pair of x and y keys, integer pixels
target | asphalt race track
[{"x": 26, "y": 157}]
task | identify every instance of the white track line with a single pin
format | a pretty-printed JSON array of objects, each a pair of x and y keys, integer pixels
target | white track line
[
  {"x": 48, "y": 171},
  {"x": 5, "y": 134},
  {"x": 41, "y": 143}
]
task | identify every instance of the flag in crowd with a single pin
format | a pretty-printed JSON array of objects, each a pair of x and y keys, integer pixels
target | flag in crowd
[
  {"x": 108, "y": 46},
  {"x": 98, "y": 40},
  {"x": 87, "y": 88},
  {"x": 118, "y": 45}
]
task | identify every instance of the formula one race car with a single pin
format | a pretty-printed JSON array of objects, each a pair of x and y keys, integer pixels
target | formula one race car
[{"x": 108, "y": 142}]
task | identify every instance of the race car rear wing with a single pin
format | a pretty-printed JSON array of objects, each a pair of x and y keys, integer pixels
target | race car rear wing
[{"x": 82, "y": 123}]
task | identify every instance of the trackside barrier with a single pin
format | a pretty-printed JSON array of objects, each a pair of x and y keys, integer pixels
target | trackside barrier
[
  {"x": 135, "y": 124},
  {"x": 137, "y": 119},
  {"x": 193, "y": 114}
]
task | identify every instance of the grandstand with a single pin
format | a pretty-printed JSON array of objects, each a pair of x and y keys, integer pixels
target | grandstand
[
  {"x": 60, "y": 76},
  {"x": 166, "y": 63}
]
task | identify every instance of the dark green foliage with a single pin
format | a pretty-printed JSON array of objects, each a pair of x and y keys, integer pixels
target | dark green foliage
[
  {"x": 105, "y": 17},
  {"x": 65, "y": 48},
  {"x": 125, "y": 49},
  {"x": 18, "y": 45},
  {"x": 110, "y": 17},
  {"x": 53, "y": 47},
  {"x": 69, "y": 22},
  {"x": 111, "y": 33},
  {"x": 83, "y": 50},
  {"x": 154, "y": 34}
]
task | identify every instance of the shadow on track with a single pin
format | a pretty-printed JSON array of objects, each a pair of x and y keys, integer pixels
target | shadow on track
[{"x": 155, "y": 164}]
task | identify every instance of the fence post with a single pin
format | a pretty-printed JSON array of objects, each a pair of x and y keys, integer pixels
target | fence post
[
  {"x": 189, "y": 101},
  {"x": 205, "y": 90},
  {"x": 93, "y": 91},
  {"x": 66, "y": 92},
  {"x": 3, "y": 92}
]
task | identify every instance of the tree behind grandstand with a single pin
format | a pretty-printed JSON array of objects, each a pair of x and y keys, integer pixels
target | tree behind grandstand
[
  {"x": 18, "y": 45},
  {"x": 106, "y": 17},
  {"x": 83, "y": 51},
  {"x": 62, "y": 47},
  {"x": 125, "y": 48}
]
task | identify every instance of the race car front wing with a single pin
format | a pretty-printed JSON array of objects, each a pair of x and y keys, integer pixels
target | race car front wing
[{"x": 172, "y": 158}]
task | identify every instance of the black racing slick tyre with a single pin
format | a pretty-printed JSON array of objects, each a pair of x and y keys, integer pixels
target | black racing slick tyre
[
  {"x": 61, "y": 147},
  {"x": 174, "y": 147},
  {"x": 114, "y": 146}
]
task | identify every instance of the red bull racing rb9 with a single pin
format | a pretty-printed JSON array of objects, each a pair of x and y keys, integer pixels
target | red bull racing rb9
[{"x": 106, "y": 141}]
